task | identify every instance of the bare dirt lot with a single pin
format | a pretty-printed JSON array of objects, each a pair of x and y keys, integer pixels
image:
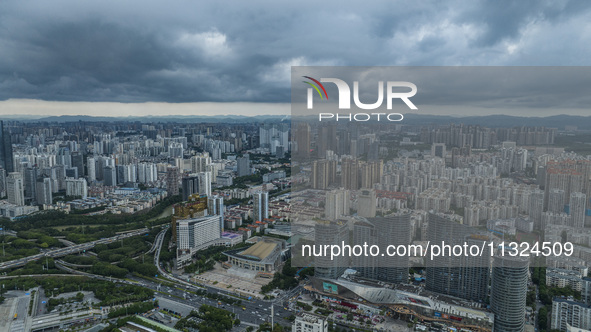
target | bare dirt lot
[{"x": 242, "y": 281}]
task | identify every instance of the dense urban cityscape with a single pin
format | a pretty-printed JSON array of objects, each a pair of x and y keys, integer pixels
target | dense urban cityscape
[
  {"x": 260, "y": 166},
  {"x": 200, "y": 226}
]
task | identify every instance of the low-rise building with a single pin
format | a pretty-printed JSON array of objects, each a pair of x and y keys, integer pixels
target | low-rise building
[
  {"x": 307, "y": 322},
  {"x": 404, "y": 302},
  {"x": 264, "y": 256},
  {"x": 12, "y": 211},
  {"x": 561, "y": 278}
]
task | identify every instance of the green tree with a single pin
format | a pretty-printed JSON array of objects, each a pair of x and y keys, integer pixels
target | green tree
[{"x": 543, "y": 318}]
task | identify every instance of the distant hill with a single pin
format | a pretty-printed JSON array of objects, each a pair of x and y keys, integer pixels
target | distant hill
[
  {"x": 173, "y": 118},
  {"x": 556, "y": 121}
]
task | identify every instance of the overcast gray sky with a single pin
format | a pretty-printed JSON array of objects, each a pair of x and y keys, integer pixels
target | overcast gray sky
[{"x": 234, "y": 57}]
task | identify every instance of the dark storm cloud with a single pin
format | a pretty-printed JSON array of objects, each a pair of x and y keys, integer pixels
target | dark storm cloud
[
  {"x": 506, "y": 19},
  {"x": 183, "y": 51}
]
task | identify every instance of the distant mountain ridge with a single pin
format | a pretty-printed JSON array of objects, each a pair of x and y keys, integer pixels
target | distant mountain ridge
[
  {"x": 173, "y": 118},
  {"x": 555, "y": 121}
]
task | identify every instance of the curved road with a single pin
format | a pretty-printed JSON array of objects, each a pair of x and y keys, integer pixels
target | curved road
[
  {"x": 255, "y": 311},
  {"x": 251, "y": 312},
  {"x": 69, "y": 250}
]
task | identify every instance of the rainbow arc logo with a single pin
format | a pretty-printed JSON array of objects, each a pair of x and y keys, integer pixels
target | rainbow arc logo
[{"x": 316, "y": 87}]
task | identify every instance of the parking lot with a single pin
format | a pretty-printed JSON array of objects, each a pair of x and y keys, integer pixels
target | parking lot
[{"x": 16, "y": 302}]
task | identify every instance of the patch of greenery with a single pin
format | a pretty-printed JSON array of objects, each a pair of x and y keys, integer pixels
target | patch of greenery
[
  {"x": 214, "y": 319},
  {"x": 543, "y": 318},
  {"x": 80, "y": 260},
  {"x": 108, "y": 270},
  {"x": 284, "y": 280},
  {"x": 165, "y": 254},
  {"x": 205, "y": 259},
  {"x": 145, "y": 269},
  {"x": 40, "y": 266},
  {"x": 122, "y": 321},
  {"x": 219, "y": 297},
  {"x": 108, "y": 293},
  {"x": 31, "y": 302},
  {"x": 134, "y": 308},
  {"x": 266, "y": 327},
  {"x": 106, "y": 225},
  {"x": 15, "y": 248},
  {"x": 126, "y": 248},
  {"x": 304, "y": 306},
  {"x": 323, "y": 312}
]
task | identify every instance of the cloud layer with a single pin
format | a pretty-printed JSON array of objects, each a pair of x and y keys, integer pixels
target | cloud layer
[{"x": 237, "y": 51}]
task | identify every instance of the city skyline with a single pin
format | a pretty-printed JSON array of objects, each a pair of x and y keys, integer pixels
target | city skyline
[{"x": 230, "y": 192}]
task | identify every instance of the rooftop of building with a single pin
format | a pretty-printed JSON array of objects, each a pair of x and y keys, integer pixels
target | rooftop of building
[
  {"x": 266, "y": 249},
  {"x": 198, "y": 219},
  {"x": 571, "y": 301},
  {"x": 376, "y": 293},
  {"x": 230, "y": 235},
  {"x": 310, "y": 318},
  {"x": 260, "y": 250}
]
